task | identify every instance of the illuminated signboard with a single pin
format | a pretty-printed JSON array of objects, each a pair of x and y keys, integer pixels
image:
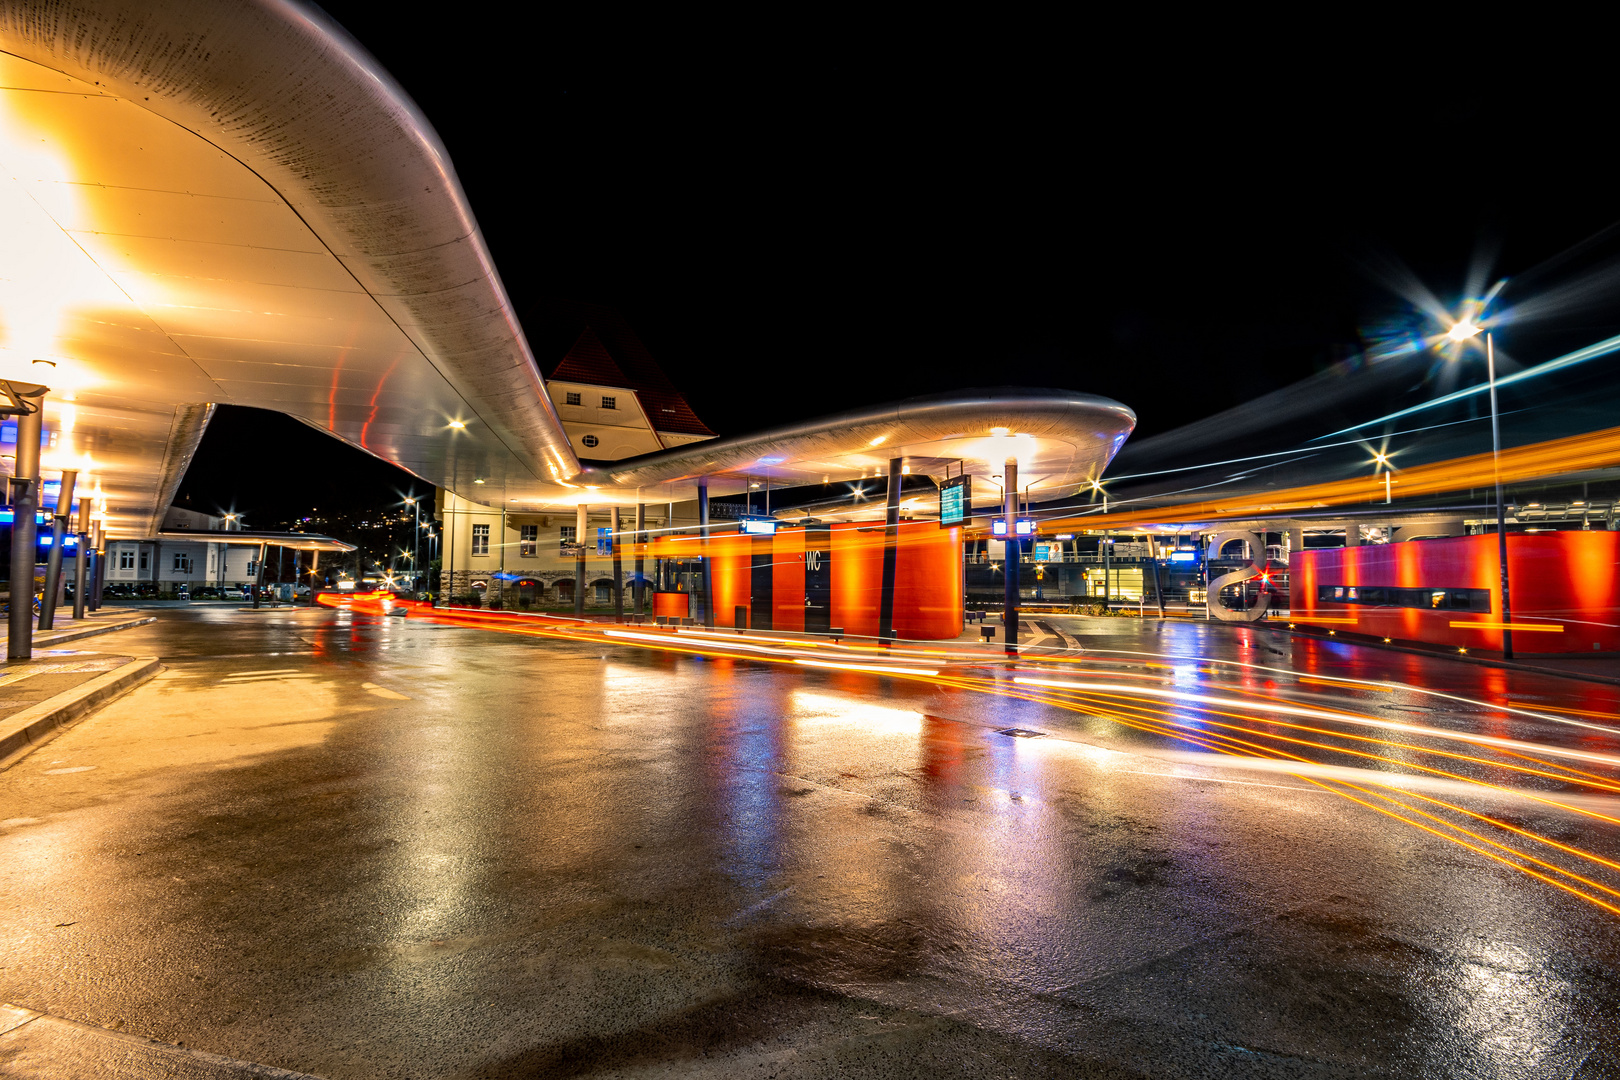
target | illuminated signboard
[
  {"x": 759, "y": 526},
  {"x": 998, "y": 527},
  {"x": 1021, "y": 527},
  {"x": 955, "y": 501},
  {"x": 345, "y": 586},
  {"x": 1184, "y": 556}
]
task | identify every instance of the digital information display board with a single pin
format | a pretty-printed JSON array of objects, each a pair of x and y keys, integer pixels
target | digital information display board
[
  {"x": 955, "y": 501},
  {"x": 1021, "y": 527}
]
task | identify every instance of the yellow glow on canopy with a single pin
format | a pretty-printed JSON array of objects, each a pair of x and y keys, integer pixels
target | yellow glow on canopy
[{"x": 43, "y": 274}]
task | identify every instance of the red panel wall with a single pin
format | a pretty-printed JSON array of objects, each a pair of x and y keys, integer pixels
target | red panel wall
[
  {"x": 1557, "y": 579},
  {"x": 857, "y": 577},
  {"x": 787, "y": 580},
  {"x": 730, "y": 571},
  {"x": 928, "y": 589},
  {"x": 672, "y": 605},
  {"x": 928, "y": 584}
]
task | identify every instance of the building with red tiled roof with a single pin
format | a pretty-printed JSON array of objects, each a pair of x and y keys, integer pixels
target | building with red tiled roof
[{"x": 613, "y": 398}]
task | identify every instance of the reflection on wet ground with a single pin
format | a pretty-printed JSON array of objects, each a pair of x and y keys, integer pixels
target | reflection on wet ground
[{"x": 359, "y": 846}]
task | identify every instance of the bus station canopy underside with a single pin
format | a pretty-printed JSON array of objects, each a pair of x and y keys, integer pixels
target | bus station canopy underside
[{"x": 209, "y": 203}]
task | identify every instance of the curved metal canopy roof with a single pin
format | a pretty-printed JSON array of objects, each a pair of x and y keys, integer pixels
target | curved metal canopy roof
[{"x": 233, "y": 203}]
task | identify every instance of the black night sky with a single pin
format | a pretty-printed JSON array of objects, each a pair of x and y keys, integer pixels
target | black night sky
[{"x": 795, "y": 233}]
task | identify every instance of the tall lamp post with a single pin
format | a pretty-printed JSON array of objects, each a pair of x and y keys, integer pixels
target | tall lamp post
[
  {"x": 1463, "y": 330},
  {"x": 416, "y": 543}
]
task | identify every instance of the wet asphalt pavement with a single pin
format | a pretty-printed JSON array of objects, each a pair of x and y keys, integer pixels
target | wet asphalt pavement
[{"x": 366, "y": 847}]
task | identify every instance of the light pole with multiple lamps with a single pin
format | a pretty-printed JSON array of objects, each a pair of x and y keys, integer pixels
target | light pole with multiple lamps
[{"x": 1461, "y": 331}]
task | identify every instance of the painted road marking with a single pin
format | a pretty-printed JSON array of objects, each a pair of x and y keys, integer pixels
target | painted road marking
[{"x": 382, "y": 692}]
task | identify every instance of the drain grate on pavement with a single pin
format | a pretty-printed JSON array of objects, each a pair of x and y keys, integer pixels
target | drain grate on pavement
[{"x": 1021, "y": 733}]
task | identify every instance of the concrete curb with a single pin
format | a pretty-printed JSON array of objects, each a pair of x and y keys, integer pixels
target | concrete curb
[
  {"x": 57, "y": 637},
  {"x": 22, "y": 733}
]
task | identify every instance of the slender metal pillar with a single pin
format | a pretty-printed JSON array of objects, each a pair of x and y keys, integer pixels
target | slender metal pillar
[
  {"x": 53, "y": 561},
  {"x": 258, "y": 579},
  {"x": 891, "y": 551},
  {"x": 1502, "y": 517},
  {"x": 1010, "y": 553},
  {"x": 639, "y": 589},
  {"x": 618, "y": 564},
  {"x": 579, "y": 560},
  {"x": 79, "y": 559},
  {"x": 1108, "y": 570},
  {"x": 703, "y": 531},
  {"x": 24, "y": 503},
  {"x": 98, "y": 577},
  {"x": 1158, "y": 590}
]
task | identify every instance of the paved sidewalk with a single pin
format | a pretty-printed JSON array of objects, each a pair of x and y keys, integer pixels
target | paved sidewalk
[
  {"x": 50, "y": 1048},
  {"x": 40, "y": 697}
]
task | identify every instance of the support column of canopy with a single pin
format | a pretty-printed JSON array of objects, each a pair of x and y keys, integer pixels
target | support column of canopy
[
  {"x": 1010, "y": 552},
  {"x": 98, "y": 576},
  {"x": 703, "y": 531},
  {"x": 618, "y": 564},
  {"x": 79, "y": 559},
  {"x": 53, "y": 562},
  {"x": 579, "y": 560},
  {"x": 639, "y": 588},
  {"x": 891, "y": 542},
  {"x": 24, "y": 504}
]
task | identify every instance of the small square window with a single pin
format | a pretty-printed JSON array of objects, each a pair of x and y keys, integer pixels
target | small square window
[
  {"x": 573, "y": 399},
  {"x": 609, "y": 402}
]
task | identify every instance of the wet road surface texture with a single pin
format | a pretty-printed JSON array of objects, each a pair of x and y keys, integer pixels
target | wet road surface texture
[{"x": 357, "y": 846}]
